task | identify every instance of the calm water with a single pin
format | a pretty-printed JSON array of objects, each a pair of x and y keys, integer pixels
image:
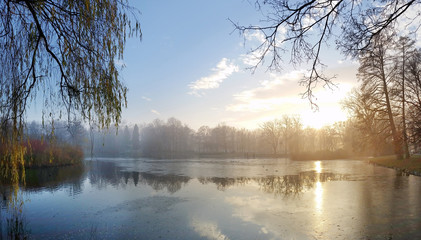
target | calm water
[{"x": 216, "y": 199}]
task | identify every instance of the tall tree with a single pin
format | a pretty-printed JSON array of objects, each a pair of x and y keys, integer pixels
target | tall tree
[
  {"x": 295, "y": 141},
  {"x": 375, "y": 71},
  {"x": 77, "y": 133},
  {"x": 203, "y": 135},
  {"x": 126, "y": 137},
  {"x": 272, "y": 132},
  {"x": 405, "y": 46},
  {"x": 414, "y": 97},
  {"x": 368, "y": 119},
  {"x": 286, "y": 129},
  {"x": 67, "y": 50},
  {"x": 135, "y": 138}
]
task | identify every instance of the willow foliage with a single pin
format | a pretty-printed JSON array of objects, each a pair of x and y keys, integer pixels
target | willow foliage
[{"x": 65, "y": 51}]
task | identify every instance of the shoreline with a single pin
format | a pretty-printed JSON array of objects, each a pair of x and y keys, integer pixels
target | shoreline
[{"x": 411, "y": 166}]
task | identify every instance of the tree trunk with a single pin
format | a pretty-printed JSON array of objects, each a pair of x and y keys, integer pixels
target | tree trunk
[
  {"x": 396, "y": 140},
  {"x": 405, "y": 136}
]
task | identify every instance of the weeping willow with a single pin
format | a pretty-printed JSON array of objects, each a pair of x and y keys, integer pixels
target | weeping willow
[{"x": 61, "y": 54}]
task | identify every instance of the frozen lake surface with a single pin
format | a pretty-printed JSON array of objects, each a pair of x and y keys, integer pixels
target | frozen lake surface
[{"x": 218, "y": 199}]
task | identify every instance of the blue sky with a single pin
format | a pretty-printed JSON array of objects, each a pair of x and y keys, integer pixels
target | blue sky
[{"x": 191, "y": 65}]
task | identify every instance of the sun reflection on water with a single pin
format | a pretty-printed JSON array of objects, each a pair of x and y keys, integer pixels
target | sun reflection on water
[
  {"x": 318, "y": 196},
  {"x": 318, "y": 166},
  {"x": 318, "y": 191}
]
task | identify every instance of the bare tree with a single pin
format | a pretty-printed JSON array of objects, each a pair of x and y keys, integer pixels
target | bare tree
[
  {"x": 272, "y": 131},
  {"x": 305, "y": 27},
  {"x": 376, "y": 72},
  {"x": 369, "y": 122},
  {"x": 203, "y": 135},
  {"x": 413, "y": 99},
  {"x": 405, "y": 47}
]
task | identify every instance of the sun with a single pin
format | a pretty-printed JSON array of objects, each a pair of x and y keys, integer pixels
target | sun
[{"x": 325, "y": 116}]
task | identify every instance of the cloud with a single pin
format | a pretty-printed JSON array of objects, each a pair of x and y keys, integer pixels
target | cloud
[
  {"x": 146, "y": 98},
  {"x": 222, "y": 71},
  {"x": 208, "y": 230},
  {"x": 155, "y": 112},
  {"x": 270, "y": 95},
  {"x": 256, "y": 36},
  {"x": 276, "y": 219},
  {"x": 280, "y": 94},
  {"x": 250, "y": 59}
]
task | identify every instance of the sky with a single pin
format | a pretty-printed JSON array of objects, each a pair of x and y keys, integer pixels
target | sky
[{"x": 192, "y": 65}]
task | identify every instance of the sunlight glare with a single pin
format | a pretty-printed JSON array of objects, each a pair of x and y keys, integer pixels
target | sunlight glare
[
  {"x": 319, "y": 189},
  {"x": 318, "y": 166},
  {"x": 318, "y": 196},
  {"x": 324, "y": 117}
]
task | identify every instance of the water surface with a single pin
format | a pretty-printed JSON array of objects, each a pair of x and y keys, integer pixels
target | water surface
[{"x": 217, "y": 199}]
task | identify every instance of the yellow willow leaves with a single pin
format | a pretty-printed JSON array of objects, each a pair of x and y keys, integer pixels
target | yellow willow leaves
[{"x": 65, "y": 50}]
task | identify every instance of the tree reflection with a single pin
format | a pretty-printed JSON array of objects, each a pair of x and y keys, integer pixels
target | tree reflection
[
  {"x": 104, "y": 173},
  {"x": 278, "y": 185},
  {"x": 5, "y": 194},
  {"x": 46, "y": 179},
  {"x": 223, "y": 183},
  {"x": 53, "y": 179},
  {"x": 172, "y": 183},
  {"x": 294, "y": 184},
  {"x": 13, "y": 224},
  {"x": 110, "y": 173},
  {"x": 16, "y": 227}
]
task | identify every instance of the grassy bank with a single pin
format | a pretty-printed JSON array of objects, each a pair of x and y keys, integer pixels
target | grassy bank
[{"x": 407, "y": 166}]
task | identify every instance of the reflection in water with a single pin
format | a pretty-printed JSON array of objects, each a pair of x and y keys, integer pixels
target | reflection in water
[
  {"x": 223, "y": 183},
  {"x": 15, "y": 224},
  {"x": 318, "y": 166},
  {"x": 53, "y": 179},
  {"x": 318, "y": 196},
  {"x": 102, "y": 174},
  {"x": 280, "y": 185},
  {"x": 107, "y": 173},
  {"x": 106, "y": 199},
  {"x": 208, "y": 230},
  {"x": 295, "y": 184},
  {"x": 319, "y": 188},
  {"x": 44, "y": 179},
  {"x": 172, "y": 183},
  {"x": 112, "y": 199}
]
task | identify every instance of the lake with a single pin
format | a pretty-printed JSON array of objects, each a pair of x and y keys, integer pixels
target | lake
[{"x": 216, "y": 199}]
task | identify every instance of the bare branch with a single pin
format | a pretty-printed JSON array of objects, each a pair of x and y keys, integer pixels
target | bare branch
[{"x": 310, "y": 24}]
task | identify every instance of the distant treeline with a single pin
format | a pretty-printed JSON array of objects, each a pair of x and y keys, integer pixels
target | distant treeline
[{"x": 173, "y": 139}]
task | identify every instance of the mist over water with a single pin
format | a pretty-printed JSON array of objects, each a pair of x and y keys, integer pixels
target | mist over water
[{"x": 116, "y": 198}]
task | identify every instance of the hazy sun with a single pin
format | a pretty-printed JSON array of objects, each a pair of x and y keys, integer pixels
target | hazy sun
[{"x": 325, "y": 116}]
